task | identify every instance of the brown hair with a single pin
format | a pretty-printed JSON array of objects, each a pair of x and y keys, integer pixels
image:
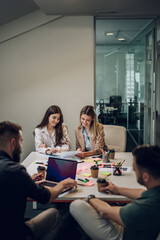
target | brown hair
[
  {"x": 8, "y": 130},
  {"x": 148, "y": 159},
  {"x": 89, "y": 111},
  {"x": 58, "y": 128}
]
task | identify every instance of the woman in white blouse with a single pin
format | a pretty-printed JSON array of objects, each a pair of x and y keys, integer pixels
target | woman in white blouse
[{"x": 50, "y": 135}]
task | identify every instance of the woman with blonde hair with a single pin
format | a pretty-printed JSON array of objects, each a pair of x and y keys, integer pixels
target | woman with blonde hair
[
  {"x": 51, "y": 135},
  {"x": 89, "y": 134}
]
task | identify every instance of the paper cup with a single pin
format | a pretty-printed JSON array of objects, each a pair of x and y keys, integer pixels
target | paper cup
[
  {"x": 112, "y": 154},
  {"x": 42, "y": 169},
  {"x": 94, "y": 171},
  {"x": 101, "y": 182}
]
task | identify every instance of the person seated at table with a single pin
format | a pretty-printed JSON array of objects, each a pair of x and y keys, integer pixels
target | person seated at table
[
  {"x": 17, "y": 185},
  {"x": 51, "y": 135},
  {"x": 138, "y": 219},
  {"x": 89, "y": 134}
]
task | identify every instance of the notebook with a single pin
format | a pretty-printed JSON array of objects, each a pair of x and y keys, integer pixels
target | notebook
[{"x": 59, "y": 169}]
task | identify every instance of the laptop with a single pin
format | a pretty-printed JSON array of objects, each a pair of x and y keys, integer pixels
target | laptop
[{"x": 59, "y": 169}]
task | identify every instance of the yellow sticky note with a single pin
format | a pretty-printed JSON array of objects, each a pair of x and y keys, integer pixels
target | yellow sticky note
[
  {"x": 105, "y": 173},
  {"x": 86, "y": 174},
  {"x": 88, "y": 160}
]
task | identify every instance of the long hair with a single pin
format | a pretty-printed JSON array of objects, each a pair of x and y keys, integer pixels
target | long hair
[
  {"x": 89, "y": 111},
  {"x": 58, "y": 128}
]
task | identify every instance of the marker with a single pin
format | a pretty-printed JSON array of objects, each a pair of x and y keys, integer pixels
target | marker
[
  {"x": 96, "y": 162},
  {"x": 82, "y": 180},
  {"x": 40, "y": 163},
  {"x": 87, "y": 179}
]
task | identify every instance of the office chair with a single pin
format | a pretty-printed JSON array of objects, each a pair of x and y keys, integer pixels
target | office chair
[
  {"x": 158, "y": 238},
  {"x": 115, "y": 137}
]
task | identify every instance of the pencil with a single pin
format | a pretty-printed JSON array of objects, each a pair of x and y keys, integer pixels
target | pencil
[
  {"x": 102, "y": 150},
  {"x": 121, "y": 163}
]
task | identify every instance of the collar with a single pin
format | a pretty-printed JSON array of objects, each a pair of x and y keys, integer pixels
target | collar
[
  {"x": 153, "y": 191},
  {"x": 45, "y": 130},
  {"x": 4, "y": 154}
]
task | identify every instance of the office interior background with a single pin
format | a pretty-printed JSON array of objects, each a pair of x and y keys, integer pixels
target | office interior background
[{"x": 103, "y": 54}]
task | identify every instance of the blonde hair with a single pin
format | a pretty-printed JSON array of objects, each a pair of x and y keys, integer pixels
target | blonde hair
[{"x": 89, "y": 111}]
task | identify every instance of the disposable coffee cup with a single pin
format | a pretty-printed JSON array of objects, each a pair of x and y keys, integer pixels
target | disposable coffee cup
[
  {"x": 94, "y": 171},
  {"x": 112, "y": 154},
  {"x": 42, "y": 169},
  {"x": 101, "y": 182}
]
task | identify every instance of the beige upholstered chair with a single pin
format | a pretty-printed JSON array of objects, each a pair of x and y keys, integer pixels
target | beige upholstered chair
[
  {"x": 158, "y": 238},
  {"x": 115, "y": 137}
]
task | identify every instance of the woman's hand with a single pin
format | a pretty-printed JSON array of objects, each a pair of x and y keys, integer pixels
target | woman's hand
[
  {"x": 81, "y": 155},
  {"x": 50, "y": 151},
  {"x": 42, "y": 145},
  {"x": 79, "y": 150}
]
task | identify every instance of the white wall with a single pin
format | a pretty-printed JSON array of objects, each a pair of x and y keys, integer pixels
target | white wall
[{"x": 51, "y": 64}]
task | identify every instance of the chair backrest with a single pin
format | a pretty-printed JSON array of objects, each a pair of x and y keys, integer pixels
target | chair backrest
[
  {"x": 115, "y": 137},
  {"x": 158, "y": 238}
]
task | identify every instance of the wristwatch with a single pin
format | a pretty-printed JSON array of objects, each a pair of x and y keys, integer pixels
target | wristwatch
[{"x": 89, "y": 197}]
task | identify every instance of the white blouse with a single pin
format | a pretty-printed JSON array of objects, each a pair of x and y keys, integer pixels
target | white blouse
[{"x": 42, "y": 137}]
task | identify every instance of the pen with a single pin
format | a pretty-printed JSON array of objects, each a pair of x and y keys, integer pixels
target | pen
[
  {"x": 39, "y": 163},
  {"x": 82, "y": 180},
  {"x": 80, "y": 184}
]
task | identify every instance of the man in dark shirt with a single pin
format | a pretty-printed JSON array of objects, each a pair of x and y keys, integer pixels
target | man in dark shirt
[
  {"x": 16, "y": 186},
  {"x": 135, "y": 221}
]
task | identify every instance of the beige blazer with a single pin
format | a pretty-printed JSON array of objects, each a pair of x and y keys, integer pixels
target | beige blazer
[{"x": 96, "y": 143}]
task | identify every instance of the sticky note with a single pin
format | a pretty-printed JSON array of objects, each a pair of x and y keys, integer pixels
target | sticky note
[
  {"x": 105, "y": 173},
  {"x": 89, "y": 183},
  {"x": 86, "y": 174}
]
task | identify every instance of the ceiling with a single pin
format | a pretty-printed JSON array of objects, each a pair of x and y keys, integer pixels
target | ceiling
[
  {"x": 13, "y": 9},
  {"x": 112, "y": 9}
]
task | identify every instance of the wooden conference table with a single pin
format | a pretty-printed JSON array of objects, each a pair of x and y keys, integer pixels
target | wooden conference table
[{"x": 127, "y": 179}]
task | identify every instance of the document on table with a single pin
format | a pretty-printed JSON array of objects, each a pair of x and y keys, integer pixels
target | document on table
[{"x": 70, "y": 155}]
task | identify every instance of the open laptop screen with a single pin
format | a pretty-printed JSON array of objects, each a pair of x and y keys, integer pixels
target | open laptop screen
[{"x": 60, "y": 169}]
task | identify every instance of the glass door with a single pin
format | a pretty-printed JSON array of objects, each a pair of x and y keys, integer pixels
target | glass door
[{"x": 149, "y": 106}]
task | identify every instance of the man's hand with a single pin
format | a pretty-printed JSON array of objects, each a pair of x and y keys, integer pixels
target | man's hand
[
  {"x": 37, "y": 177},
  {"x": 67, "y": 183},
  {"x": 110, "y": 188}
]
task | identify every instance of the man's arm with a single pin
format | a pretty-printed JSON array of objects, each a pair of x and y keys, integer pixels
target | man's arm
[
  {"x": 106, "y": 211},
  {"x": 128, "y": 192},
  {"x": 56, "y": 190}
]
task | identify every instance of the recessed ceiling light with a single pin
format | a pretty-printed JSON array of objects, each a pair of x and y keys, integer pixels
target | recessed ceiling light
[
  {"x": 121, "y": 39},
  {"x": 109, "y": 34}
]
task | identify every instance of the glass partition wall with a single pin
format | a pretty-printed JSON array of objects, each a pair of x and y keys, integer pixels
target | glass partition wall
[{"x": 124, "y": 76}]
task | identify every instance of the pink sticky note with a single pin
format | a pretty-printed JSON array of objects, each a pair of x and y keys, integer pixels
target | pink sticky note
[{"x": 89, "y": 183}]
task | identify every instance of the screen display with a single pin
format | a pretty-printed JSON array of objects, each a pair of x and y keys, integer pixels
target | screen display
[{"x": 60, "y": 169}]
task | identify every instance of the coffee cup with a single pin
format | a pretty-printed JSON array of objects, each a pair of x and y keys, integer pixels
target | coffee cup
[
  {"x": 42, "y": 169},
  {"x": 94, "y": 171},
  {"x": 112, "y": 154},
  {"x": 101, "y": 182}
]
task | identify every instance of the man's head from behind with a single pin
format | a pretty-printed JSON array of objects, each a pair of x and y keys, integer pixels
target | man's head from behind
[
  {"x": 146, "y": 163},
  {"x": 11, "y": 139}
]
